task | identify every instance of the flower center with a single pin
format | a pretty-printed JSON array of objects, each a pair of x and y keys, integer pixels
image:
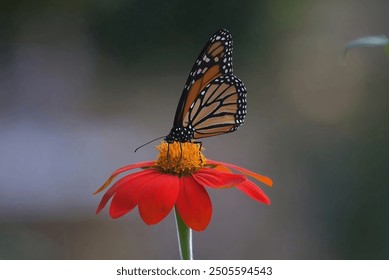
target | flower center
[{"x": 179, "y": 158}]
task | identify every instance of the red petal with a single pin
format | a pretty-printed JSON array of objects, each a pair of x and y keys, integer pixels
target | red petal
[
  {"x": 253, "y": 191},
  {"x": 123, "y": 169},
  {"x": 193, "y": 204},
  {"x": 158, "y": 198},
  {"x": 215, "y": 179},
  {"x": 127, "y": 195},
  {"x": 123, "y": 182},
  {"x": 261, "y": 178}
]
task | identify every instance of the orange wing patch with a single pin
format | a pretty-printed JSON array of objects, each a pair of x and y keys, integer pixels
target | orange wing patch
[
  {"x": 199, "y": 85},
  {"x": 203, "y": 133}
]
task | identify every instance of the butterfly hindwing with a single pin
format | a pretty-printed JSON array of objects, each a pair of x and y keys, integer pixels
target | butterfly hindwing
[{"x": 220, "y": 107}]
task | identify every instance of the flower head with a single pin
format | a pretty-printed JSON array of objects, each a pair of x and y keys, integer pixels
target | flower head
[
  {"x": 180, "y": 159},
  {"x": 177, "y": 178}
]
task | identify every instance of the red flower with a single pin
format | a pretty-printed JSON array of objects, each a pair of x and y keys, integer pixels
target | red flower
[{"x": 177, "y": 178}]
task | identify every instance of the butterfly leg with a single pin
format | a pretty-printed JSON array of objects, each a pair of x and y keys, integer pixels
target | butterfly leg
[
  {"x": 201, "y": 146},
  {"x": 180, "y": 152},
  {"x": 168, "y": 148}
]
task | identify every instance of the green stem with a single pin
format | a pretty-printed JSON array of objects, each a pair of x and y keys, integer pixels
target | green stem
[{"x": 184, "y": 234}]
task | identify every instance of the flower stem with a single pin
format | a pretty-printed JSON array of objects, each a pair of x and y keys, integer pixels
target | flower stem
[{"x": 184, "y": 234}]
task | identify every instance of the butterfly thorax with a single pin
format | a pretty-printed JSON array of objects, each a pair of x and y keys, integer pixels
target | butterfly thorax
[{"x": 180, "y": 134}]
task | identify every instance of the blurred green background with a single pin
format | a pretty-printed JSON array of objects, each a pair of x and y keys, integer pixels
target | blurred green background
[{"x": 83, "y": 83}]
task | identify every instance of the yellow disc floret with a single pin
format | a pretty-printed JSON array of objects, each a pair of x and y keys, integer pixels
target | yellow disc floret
[{"x": 179, "y": 158}]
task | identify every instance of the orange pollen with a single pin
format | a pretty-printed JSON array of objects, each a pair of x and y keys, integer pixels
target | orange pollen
[{"x": 180, "y": 159}]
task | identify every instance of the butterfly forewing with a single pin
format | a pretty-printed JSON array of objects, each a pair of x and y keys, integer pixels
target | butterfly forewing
[{"x": 214, "y": 60}]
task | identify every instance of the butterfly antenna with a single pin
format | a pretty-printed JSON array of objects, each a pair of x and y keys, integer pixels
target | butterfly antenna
[{"x": 148, "y": 143}]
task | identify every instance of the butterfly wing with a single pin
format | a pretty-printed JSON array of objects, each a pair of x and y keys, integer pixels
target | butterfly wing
[
  {"x": 213, "y": 101},
  {"x": 213, "y": 61},
  {"x": 220, "y": 107}
]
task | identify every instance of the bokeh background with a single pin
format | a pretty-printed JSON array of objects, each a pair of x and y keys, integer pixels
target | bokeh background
[{"x": 83, "y": 83}]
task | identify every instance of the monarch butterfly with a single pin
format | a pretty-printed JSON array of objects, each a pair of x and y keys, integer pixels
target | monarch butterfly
[{"x": 213, "y": 101}]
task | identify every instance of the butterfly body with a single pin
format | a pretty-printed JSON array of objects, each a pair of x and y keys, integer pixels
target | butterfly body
[
  {"x": 213, "y": 101},
  {"x": 180, "y": 134}
]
